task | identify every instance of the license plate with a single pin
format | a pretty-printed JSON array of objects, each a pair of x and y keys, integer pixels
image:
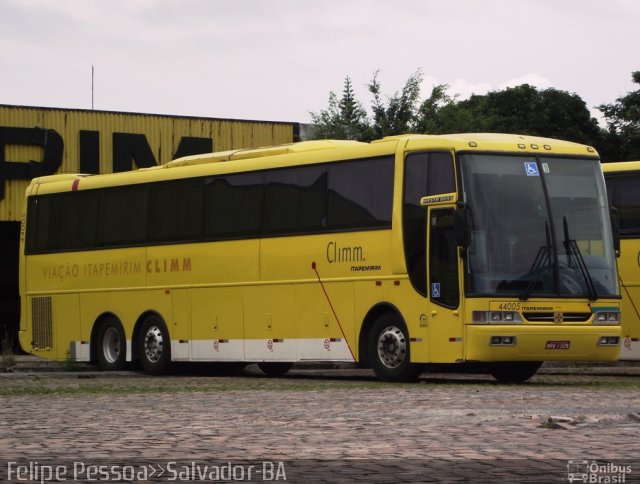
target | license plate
[{"x": 558, "y": 345}]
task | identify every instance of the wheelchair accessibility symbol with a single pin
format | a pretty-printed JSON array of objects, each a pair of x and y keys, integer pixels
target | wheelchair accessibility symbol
[
  {"x": 531, "y": 168},
  {"x": 435, "y": 290}
]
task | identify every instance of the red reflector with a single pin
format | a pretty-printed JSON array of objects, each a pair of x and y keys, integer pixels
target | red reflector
[{"x": 74, "y": 185}]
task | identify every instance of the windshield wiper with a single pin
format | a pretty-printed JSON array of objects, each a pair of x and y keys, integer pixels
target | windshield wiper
[
  {"x": 573, "y": 251},
  {"x": 542, "y": 257}
]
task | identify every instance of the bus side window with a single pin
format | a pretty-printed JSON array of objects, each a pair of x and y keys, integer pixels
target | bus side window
[
  {"x": 443, "y": 260},
  {"x": 626, "y": 198}
]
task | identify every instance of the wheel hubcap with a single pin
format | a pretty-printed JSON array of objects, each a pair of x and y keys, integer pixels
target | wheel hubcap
[
  {"x": 111, "y": 345},
  {"x": 392, "y": 347},
  {"x": 153, "y": 342}
]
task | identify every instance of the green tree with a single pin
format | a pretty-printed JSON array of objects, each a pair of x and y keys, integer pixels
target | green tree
[
  {"x": 428, "y": 118},
  {"x": 400, "y": 113},
  {"x": 522, "y": 110},
  {"x": 344, "y": 118},
  {"x": 623, "y": 120}
]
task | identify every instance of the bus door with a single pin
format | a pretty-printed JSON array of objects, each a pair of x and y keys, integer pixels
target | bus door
[{"x": 444, "y": 312}]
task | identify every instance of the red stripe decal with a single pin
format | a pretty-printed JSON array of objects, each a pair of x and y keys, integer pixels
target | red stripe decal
[{"x": 74, "y": 186}]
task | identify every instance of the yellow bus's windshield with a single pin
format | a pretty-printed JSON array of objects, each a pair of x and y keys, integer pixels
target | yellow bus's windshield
[{"x": 540, "y": 227}]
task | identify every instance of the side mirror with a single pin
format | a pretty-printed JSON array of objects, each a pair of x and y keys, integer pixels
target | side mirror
[
  {"x": 615, "y": 229},
  {"x": 462, "y": 226}
]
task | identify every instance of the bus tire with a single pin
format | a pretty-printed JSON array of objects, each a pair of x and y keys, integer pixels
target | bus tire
[
  {"x": 111, "y": 345},
  {"x": 514, "y": 372},
  {"x": 274, "y": 369},
  {"x": 389, "y": 352},
  {"x": 154, "y": 346}
]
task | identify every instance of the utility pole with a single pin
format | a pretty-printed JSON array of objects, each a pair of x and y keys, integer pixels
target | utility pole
[{"x": 91, "y": 87}]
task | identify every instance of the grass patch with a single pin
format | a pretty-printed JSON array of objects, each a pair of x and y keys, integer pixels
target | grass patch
[
  {"x": 7, "y": 359},
  {"x": 97, "y": 385},
  {"x": 43, "y": 386}
]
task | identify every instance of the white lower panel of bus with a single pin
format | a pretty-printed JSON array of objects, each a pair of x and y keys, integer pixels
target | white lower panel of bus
[
  {"x": 327, "y": 349},
  {"x": 320, "y": 349},
  {"x": 630, "y": 349},
  {"x": 215, "y": 350},
  {"x": 310, "y": 349},
  {"x": 80, "y": 351}
]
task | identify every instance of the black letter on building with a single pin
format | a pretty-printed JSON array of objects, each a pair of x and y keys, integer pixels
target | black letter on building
[
  {"x": 190, "y": 145},
  {"x": 48, "y": 139},
  {"x": 127, "y": 147},
  {"x": 90, "y": 152}
]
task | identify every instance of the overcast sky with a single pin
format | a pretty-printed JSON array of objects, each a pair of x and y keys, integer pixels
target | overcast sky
[{"x": 278, "y": 59}]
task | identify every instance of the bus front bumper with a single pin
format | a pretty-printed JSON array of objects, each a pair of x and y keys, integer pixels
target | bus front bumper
[{"x": 542, "y": 343}]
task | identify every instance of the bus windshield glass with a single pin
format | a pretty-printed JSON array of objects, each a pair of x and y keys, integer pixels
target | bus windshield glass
[{"x": 539, "y": 227}]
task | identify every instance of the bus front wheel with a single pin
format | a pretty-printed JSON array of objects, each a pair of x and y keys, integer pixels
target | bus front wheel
[
  {"x": 514, "y": 372},
  {"x": 154, "y": 346},
  {"x": 111, "y": 345},
  {"x": 389, "y": 352}
]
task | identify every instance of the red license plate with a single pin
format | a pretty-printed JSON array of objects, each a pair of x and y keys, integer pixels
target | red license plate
[{"x": 558, "y": 345}]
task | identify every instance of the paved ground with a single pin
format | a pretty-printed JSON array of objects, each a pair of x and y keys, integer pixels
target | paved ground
[{"x": 321, "y": 426}]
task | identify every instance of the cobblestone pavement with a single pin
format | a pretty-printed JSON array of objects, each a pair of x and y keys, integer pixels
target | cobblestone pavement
[{"x": 320, "y": 426}]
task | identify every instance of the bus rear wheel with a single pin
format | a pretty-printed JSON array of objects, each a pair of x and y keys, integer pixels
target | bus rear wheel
[
  {"x": 274, "y": 369},
  {"x": 154, "y": 346},
  {"x": 514, "y": 372},
  {"x": 111, "y": 345},
  {"x": 389, "y": 352}
]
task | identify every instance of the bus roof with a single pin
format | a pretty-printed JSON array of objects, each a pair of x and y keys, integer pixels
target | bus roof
[
  {"x": 310, "y": 152},
  {"x": 621, "y": 166}
]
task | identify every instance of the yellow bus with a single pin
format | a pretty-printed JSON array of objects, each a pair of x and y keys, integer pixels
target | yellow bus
[
  {"x": 410, "y": 250},
  {"x": 623, "y": 190}
]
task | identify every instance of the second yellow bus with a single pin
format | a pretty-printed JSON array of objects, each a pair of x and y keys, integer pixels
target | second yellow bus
[{"x": 623, "y": 189}]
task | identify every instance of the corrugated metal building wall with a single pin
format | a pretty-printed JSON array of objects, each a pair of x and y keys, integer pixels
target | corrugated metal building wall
[{"x": 91, "y": 136}]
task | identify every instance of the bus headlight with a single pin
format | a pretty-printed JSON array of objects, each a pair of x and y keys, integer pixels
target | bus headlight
[
  {"x": 496, "y": 317},
  {"x": 607, "y": 317}
]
